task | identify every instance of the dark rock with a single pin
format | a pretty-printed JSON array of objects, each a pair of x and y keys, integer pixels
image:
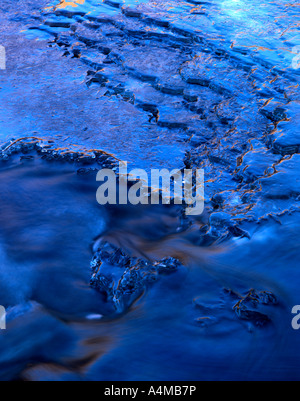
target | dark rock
[
  {"x": 268, "y": 298},
  {"x": 217, "y": 200},
  {"x": 111, "y": 3},
  {"x": 170, "y": 90},
  {"x": 246, "y": 307},
  {"x": 277, "y": 115},
  {"x": 172, "y": 125},
  {"x": 27, "y": 158},
  {"x": 236, "y": 231},
  {"x": 287, "y": 135},
  {"x": 86, "y": 171},
  {"x": 123, "y": 278},
  {"x": 190, "y": 97},
  {"x": 259, "y": 319},
  {"x": 157, "y": 22},
  {"x": 57, "y": 24},
  {"x": 69, "y": 14},
  {"x": 129, "y": 12}
]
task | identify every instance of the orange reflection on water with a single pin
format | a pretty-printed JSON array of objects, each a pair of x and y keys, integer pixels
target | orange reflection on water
[{"x": 64, "y": 3}]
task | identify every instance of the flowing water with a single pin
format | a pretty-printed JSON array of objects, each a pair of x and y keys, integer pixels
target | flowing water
[{"x": 160, "y": 84}]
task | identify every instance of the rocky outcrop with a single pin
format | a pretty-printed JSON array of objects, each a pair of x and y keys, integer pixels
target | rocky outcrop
[{"x": 123, "y": 278}]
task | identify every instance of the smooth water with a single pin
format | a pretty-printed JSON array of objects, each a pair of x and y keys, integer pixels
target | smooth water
[{"x": 211, "y": 85}]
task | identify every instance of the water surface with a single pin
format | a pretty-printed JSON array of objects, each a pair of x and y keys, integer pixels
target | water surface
[{"x": 159, "y": 84}]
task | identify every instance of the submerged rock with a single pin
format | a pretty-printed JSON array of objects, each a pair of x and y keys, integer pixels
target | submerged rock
[
  {"x": 123, "y": 278},
  {"x": 259, "y": 319},
  {"x": 247, "y": 307},
  {"x": 223, "y": 227}
]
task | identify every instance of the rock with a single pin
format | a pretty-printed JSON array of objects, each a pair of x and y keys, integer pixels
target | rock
[
  {"x": 255, "y": 164},
  {"x": 87, "y": 171},
  {"x": 222, "y": 228},
  {"x": 287, "y": 135},
  {"x": 123, "y": 278},
  {"x": 259, "y": 319},
  {"x": 268, "y": 298},
  {"x": 190, "y": 97},
  {"x": 220, "y": 220},
  {"x": 166, "y": 266},
  {"x": 132, "y": 13},
  {"x": 285, "y": 183},
  {"x": 236, "y": 231},
  {"x": 207, "y": 71},
  {"x": 27, "y": 158},
  {"x": 217, "y": 200},
  {"x": 157, "y": 22},
  {"x": 170, "y": 90},
  {"x": 113, "y": 4},
  {"x": 244, "y": 308},
  {"x": 57, "y": 24},
  {"x": 69, "y": 14},
  {"x": 275, "y": 116},
  {"x": 172, "y": 125}
]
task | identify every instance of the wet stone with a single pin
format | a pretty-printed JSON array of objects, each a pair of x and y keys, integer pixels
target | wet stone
[
  {"x": 57, "y": 24},
  {"x": 220, "y": 219},
  {"x": 69, "y": 14},
  {"x": 287, "y": 135},
  {"x": 259, "y": 319},
  {"x": 276, "y": 115},
  {"x": 223, "y": 227},
  {"x": 286, "y": 182},
  {"x": 123, "y": 278},
  {"x": 251, "y": 306},
  {"x": 176, "y": 91},
  {"x": 217, "y": 200},
  {"x": 27, "y": 158},
  {"x": 132, "y": 13},
  {"x": 256, "y": 164},
  {"x": 190, "y": 97},
  {"x": 114, "y": 4},
  {"x": 87, "y": 171},
  {"x": 207, "y": 71}
]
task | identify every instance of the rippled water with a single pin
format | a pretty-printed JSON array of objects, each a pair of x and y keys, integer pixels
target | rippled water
[{"x": 167, "y": 84}]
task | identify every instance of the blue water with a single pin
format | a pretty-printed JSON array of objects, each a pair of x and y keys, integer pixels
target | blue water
[{"x": 212, "y": 85}]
